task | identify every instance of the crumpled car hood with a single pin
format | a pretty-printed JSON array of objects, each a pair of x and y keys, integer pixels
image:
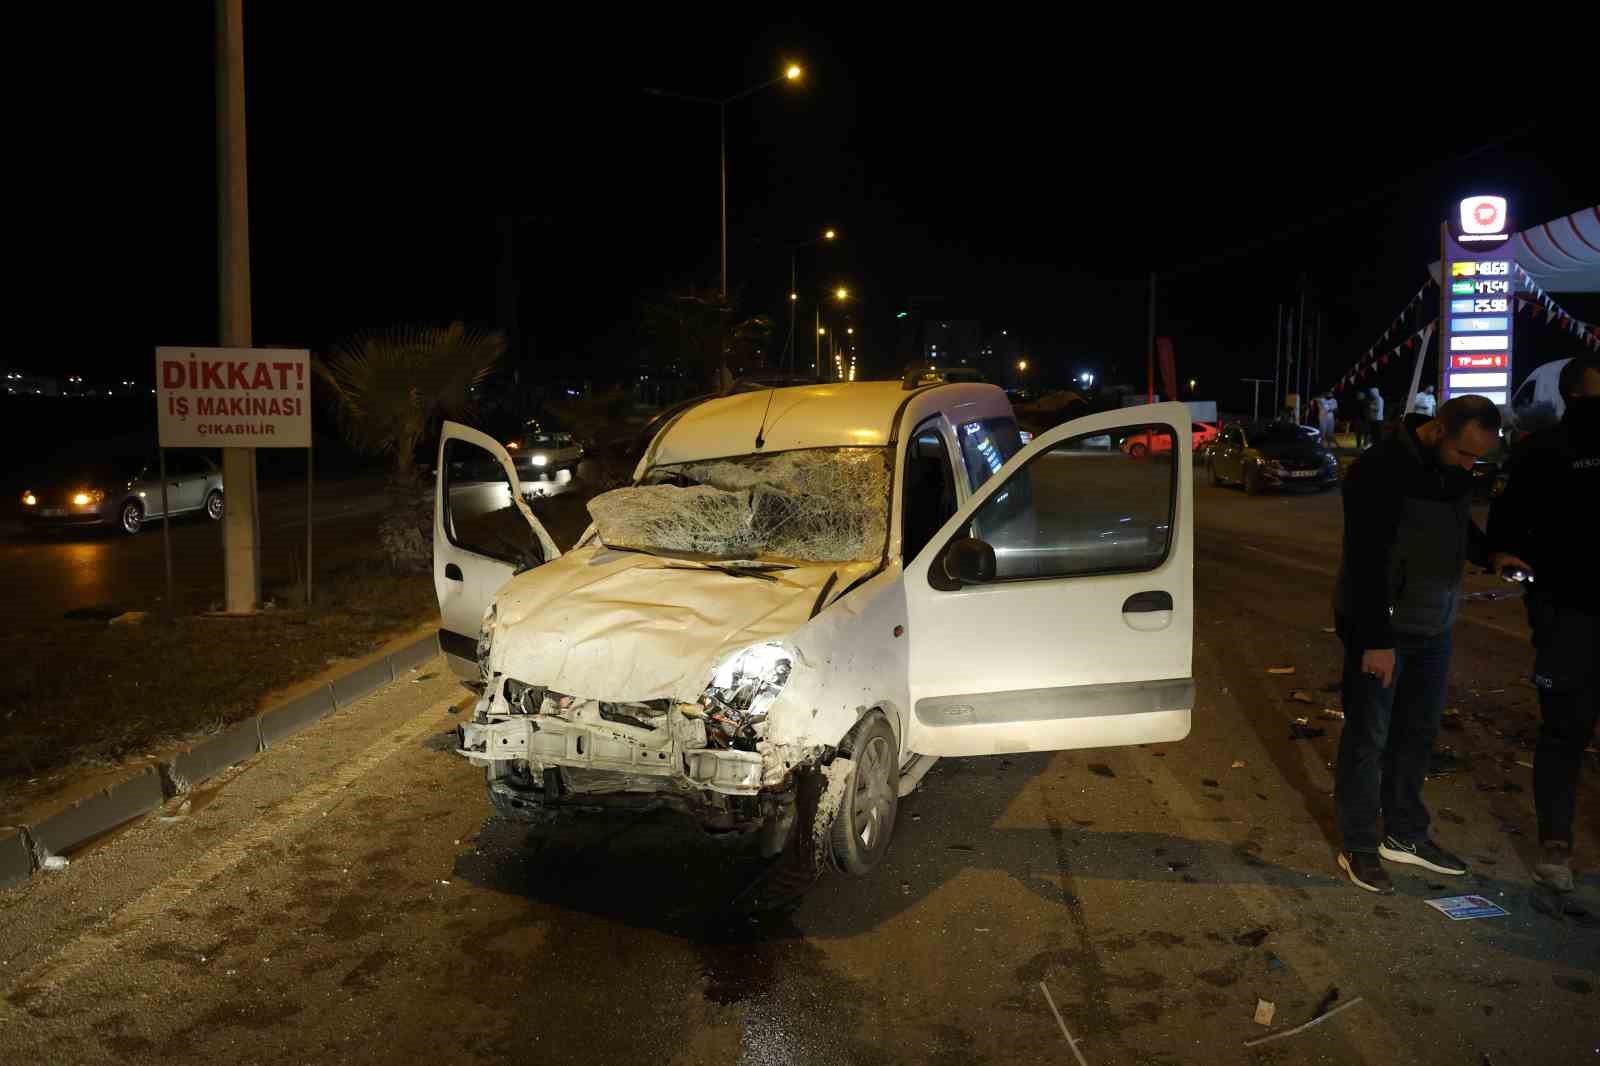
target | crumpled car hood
[{"x": 626, "y": 627}]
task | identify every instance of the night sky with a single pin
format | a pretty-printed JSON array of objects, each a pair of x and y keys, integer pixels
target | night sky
[{"x": 1023, "y": 174}]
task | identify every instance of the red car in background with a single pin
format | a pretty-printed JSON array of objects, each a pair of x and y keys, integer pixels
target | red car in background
[{"x": 1142, "y": 444}]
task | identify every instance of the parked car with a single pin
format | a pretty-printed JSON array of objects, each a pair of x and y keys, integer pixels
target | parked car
[
  {"x": 122, "y": 490},
  {"x": 1266, "y": 455},
  {"x": 917, "y": 377},
  {"x": 1142, "y": 444},
  {"x": 544, "y": 458},
  {"x": 809, "y": 595}
]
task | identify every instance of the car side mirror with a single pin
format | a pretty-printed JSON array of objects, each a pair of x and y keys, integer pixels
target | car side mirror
[{"x": 969, "y": 561}]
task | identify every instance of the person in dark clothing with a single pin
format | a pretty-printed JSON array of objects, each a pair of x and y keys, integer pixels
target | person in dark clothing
[
  {"x": 1408, "y": 535},
  {"x": 1534, "y": 520}
]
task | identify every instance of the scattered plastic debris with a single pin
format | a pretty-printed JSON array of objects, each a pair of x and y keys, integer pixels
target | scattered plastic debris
[
  {"x": 128, "y": 618},
  {"x": 1238, "y": 764},
  {"x": 1331, "y": 714},
  {"x": 1329, "y": 629},
  {"x": 1265, "y": 1009},
  {"x": 54, "y": 862},
  {"x": 1071, "y": 1043},
  {"x": 1465, "y": 908},
  {"x": 1318, "y": 1020},
  {"x": 1281, "y": 671},
  {"x": 1300, "y": 695},
  {"x": 1273, "y": 962},
  {"x": 1253, "y": 938},
  {"x": 1100, "y": 769}
]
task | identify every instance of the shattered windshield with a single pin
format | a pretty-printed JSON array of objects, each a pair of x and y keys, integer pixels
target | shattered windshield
[{"x": 809, "y": 505}]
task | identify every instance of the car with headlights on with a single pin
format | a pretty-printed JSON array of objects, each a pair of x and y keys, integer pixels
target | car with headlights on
[
  {"x": 806, "y": 596},
  {"x": 122, "y": 489},
  {"x": 1272, "y": 455},
  {"x": 544, "y": 459}
]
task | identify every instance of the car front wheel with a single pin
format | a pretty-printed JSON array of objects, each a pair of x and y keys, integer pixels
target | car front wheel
[
  {"x": 865, "y": 822},
  {"x": 131, "y": 517},
  {"x": 1252, "y": 480},
  {"x": 214, "y": 505}
]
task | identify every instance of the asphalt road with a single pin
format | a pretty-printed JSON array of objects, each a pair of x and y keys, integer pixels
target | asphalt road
[
  {"x": 347, "y": 898},
  {"x": 52, "y": 571}
]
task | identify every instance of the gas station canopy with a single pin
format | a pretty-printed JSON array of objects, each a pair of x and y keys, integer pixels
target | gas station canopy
[{"x": 1562, "y": 255}]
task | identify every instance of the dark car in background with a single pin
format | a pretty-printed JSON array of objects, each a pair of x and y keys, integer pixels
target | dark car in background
[
  {"x": 1271, "y": 455},
  {"x": 121, "y": 488}
]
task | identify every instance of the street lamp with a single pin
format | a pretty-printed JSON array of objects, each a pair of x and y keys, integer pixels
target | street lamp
[
  {"x": 841, "y": 294},
  {"x": 1022, "y": 364},
  {"x": 792, "y": 72},
  {"x": 794, "y": 287},
  {"x": 1191, "y": 385}
]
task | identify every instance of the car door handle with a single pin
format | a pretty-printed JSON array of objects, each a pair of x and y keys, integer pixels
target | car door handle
[
  {"x": 452, "y": 572},
  {"x": 1147, "y": 602}
]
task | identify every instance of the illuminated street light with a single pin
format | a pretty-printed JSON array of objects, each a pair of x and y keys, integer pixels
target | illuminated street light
[
  {"x": 841, "y": 293},
  {"x": 849, "y": 329},
  {"x": 821, "y": 331},
  {"x": 829, "y": 235},
  {"x": 1191, "y": 384},
  {"x": 1022, "y": 364},
  {"x": 793, "y": 73},
  {"x": 794, "y": 296}
]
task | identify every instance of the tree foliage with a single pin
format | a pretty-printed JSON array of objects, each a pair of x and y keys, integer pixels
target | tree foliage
[{"x": 390, "y": 385}]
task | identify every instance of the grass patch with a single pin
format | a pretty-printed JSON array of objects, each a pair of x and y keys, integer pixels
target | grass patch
[{"x": 79, "y": 692}]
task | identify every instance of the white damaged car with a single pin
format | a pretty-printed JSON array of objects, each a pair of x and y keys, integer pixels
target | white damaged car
[{"x": 809, "y": 595}]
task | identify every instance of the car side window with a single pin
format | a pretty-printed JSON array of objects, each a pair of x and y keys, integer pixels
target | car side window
[
  {"x": 929, "y": 496},
  {"x": 479, "y": 513},
  {"x": 986, "y": 444},
  {"x": 1080, "y": 508}
]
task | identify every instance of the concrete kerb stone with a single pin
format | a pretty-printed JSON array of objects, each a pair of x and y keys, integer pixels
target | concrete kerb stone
[
  {"x": 414, "y": 654},
  {"x": 233, "y": 745},
  {"x": 106, "y": 809},
  {"x": 23, "y": 849},
  {"x": 369, "y": 678},
  {"x": 16, "y": 857},
  {"x": 278, "y": 723}
]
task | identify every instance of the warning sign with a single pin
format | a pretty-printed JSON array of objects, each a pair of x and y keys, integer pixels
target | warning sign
[{"x": 234, "y": 397}]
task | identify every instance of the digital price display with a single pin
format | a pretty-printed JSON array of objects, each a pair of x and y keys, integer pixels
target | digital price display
[{"x": 1476, "y": 301}]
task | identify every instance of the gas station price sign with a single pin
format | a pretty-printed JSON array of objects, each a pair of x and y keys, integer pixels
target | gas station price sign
[{"x": 1476, "y": 302}]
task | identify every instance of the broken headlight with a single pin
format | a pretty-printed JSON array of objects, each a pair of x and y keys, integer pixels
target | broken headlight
[
  {"x": 743, "y": 688},
  {"x": 486, "y": 641}
]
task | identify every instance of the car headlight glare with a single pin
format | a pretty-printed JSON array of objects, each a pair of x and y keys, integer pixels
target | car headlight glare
[
  {"x": 29, "y": 499},
  {"x": 538, "y": 460},
  {"x": 744, "y": 686},
  {"x": 84, "y": 499}
]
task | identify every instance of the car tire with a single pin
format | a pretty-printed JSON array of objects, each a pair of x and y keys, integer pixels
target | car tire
[
  {"x": 864, "y": 824},
  {"x": 130, "y": 517},
  {"x": 1138, "y": 450},
  {"x": 214, "y": 505},
  {"x": 1252, "y": 481}
]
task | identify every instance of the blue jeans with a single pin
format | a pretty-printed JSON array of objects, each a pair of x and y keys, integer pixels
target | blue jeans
[{"x": 1387, "y": 743}]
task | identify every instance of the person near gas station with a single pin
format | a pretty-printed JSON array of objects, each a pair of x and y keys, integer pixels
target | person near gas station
[
  {"x": 1533, "y": 520},
  {"x": 1408, "y": 535}
]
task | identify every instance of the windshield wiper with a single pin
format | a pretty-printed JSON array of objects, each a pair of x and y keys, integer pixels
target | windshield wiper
[{"x": 764, "y": 572}]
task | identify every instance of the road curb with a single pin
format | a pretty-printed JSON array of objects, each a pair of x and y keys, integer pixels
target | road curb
[
  {"x": 103, "y": 811},
  {"x": 24, "y": 848},
  {"x": 16, "y": 857}
]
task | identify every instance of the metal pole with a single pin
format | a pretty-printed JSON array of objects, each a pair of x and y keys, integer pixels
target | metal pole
[
  {"x": 817, "y": 366},
  {"x": 722, "y": 131},
  {"x": 1150, "y": 342},
  {"x": 166, "y": 528},
  {"x": 308, "y": 524},
  {"x": 794, "y": 311},
  {"x": 241, "y": 532},
  {"x": 1277, "y": 356},
  {"x": 1300, "y": 348}
]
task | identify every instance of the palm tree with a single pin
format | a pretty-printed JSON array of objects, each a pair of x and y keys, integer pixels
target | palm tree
[{"x": 391, "y": 384}]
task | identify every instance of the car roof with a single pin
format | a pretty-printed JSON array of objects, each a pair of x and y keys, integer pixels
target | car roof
[{"x": 836, "y": 415}]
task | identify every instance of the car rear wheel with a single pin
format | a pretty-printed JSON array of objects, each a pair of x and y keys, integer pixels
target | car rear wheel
[
  {"x": 865, "y": 822},
  {"x": 1252, "y": 480},
  {"x": 214, "y": 505},
  {"x": 131, "y": 517}
]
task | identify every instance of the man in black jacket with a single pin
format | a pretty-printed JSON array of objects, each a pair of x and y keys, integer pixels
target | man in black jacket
[
  {"x": 1408, "y": 535},
  {"x": 1541, "y": 518}
]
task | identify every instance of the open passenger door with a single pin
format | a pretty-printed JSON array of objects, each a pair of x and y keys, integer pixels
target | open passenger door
[
  {"x": 483, "y": 535},
  {"x": 1056, "y": 609}
]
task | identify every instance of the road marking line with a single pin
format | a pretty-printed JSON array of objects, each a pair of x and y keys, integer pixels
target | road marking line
[
  {"x": 1071, "y": 1043},
  {"x": 78, "y": 955}
]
